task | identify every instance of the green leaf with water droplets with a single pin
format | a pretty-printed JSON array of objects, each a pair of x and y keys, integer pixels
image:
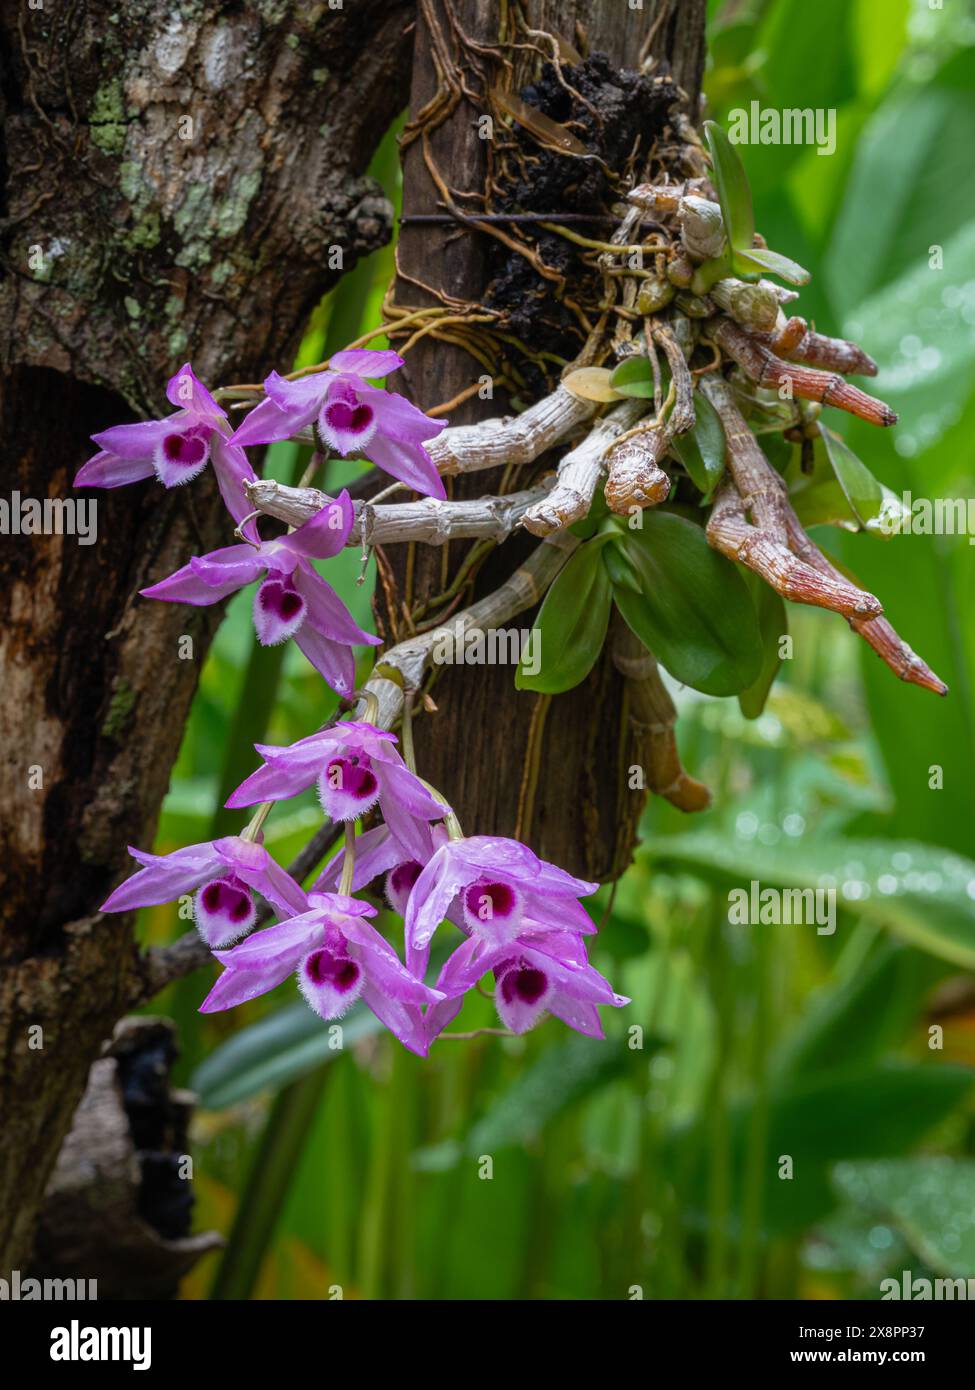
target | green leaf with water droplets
[
  {"x": 922, "y": 894},
  {"x": 930, "y": 1200}
]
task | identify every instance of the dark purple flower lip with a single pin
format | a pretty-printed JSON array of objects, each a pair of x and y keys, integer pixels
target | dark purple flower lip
[
  {"x": 523, "y": 985},
  {"x": 279, "y": 609},
  {"x": 339, "y": 972},
  {"x": 348, "y": 786},
  {"x": 348, "y": 419},
  {"x": 489, "y": 900},
  {"x": 188, "y": 449},
  {"x": 345, "y": 422},
  {"x": 182, "y": 454},
  {"x": 330, "y": 981},
  {"x": 399, "y": 883},
  {"x": 224, "y": 910}
]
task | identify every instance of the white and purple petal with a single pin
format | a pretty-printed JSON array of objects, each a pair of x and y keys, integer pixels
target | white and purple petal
[
  {"x": 224, "y": 910},
  {"x": 331, "y": 981},
  {"x": 346, "y": 422},
  {"x": 279, "y": 609},
  {"x": 348, "y": 787},
  {"x": 522, "y": 994},
  {"x": 182, "y": 453}
]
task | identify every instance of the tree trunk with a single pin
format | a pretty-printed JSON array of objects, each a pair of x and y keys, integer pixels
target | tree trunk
[
  {"x": 549, "y": 770},
  {"x": 174, "y": 185}
]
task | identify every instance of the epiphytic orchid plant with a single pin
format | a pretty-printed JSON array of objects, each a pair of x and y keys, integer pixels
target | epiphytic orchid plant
[
  {"x": 706, "y": 365},
  {"x": 521, "y": 917}
]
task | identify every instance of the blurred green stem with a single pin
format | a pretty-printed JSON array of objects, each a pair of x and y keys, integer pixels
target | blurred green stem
[
  {"x": 268, "y": 1183},
  {"x": 719, "y": 1145},
  {"x": 376, "y": 1206},
  {"x": 756, "y": 1157}
]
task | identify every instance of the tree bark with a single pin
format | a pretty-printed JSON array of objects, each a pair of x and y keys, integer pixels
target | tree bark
[
  {"x": 549, "y": 770},
  {"x": 173, "y": 185}
]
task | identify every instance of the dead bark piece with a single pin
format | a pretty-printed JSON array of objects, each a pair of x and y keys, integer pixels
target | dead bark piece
[{"x": 117, "y": 1209}]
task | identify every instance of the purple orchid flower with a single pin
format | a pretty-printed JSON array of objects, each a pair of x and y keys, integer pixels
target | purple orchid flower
[
  {"x": 176, "y": 448},
  {"x": 338, "y": 958},
  {"x": 493, "y": 887},
  {"x": 355, "y": 765},
  {"x": 293, "y": 600},
  {"x": 377, "y": 852},
  {"x": 538, "y": 972},
  {"x": 224, "y": 871},
  {"x": 351, "y": 417}
]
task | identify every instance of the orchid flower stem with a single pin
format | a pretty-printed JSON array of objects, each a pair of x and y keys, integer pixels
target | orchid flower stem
[
  {"x": 314, "y": 463},
  {"x": 348, "y": 862},
  {"x": 239, "y": 529},
  {"x": 386, "y": 492},
  {"x": 406, "y": 732},
  {"x": 256, "y": 821},
  {"x": 454, "y": 831},
  {"x": 371, "y": 705},
  {"x": 475, "y": 1033},
  {"x": 451, "y": 822}
]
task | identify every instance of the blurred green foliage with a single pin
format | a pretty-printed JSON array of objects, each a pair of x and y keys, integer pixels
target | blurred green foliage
[{"x": 785, "y": 1128}]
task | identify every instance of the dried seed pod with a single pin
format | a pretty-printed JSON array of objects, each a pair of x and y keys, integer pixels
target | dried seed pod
[
  {"x": 755, "y": 307},
  {"x": 635, "y": 478},
  {"x": 653, "y": 295},
  {"x": 702, "y": 228}
]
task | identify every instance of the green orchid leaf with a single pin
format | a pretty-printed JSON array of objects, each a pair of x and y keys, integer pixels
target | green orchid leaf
[
  {"x": 758, "y": 260},
  {"x": 702, "y": 451},
  {"x": 571, "y": 625},
  {"x": 621, "y": 573},
  {"x": 773, "y": 624},
  {"x": 861, "y": 489},
  {"x": 634, "y": 377},
  {"x": 731, "y": 181},
  {"x": 695, "y": 613}
]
